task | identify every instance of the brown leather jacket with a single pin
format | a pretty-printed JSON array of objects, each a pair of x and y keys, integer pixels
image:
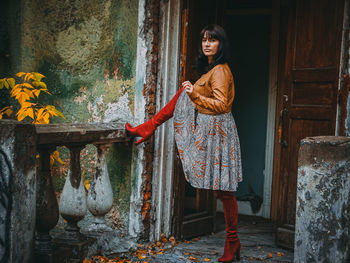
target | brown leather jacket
[{"x": 213, "y": 93}]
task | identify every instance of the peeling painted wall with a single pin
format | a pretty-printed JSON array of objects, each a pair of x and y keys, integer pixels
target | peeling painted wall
[
  {"x": 87, "y": 51},
  {"x": 145, "y": 97}
]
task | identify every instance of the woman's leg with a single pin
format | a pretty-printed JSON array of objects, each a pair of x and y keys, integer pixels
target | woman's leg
[
  {"x": 146, "y": 129},
  {"x": 232, "y": 243}
]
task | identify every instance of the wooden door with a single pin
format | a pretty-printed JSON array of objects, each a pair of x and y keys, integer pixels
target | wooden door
[
  {"x": 194, "y": 209},
  {"x": 311, "y": 33}
]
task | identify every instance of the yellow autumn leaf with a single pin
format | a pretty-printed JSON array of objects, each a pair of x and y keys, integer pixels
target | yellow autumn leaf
[
  {"x": 6, "y": 84},
  {"x": 23, "y": 95},
  {"x": 60, "y": 114},
  {"x": 20, "y": 74},
  {"x": 38, "y": 76},
  {"x": 39, "y": 121},
  {"x": 42, "y": 116},
  {"x": 39, "y": 83},
  {"x": 24, "y": 111},
  {"x": 40, "y": 113},
  {"x": 279, "y": 254},
  {"x": 29, "y": 76},
  {"x": 31, "y": 113},
  {"x": 53, "y": 111},
  {"x": 15, "y": 91},
  {"x": 9, "y": 112},
  {"x": 36, "y": 92},
  {"x": 35, "y": 83},
  {"x": 21, "y": 116},
  {"x": 27, "y": 104},
  {"x": 27, "y": 85},
  {"x": 11, "y": 81},
  {"x": 46, "y": 118},
  {"x": 17, "y": 86},
  {"x": 206, "y": 259},
  {"x": 55, "y": 157},
  {"x": 87, "y": 184},
  {"x": 6, "y": 110}
]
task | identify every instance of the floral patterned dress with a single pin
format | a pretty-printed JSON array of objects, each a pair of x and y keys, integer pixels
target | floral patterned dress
[{"x": 208, "y": 146}]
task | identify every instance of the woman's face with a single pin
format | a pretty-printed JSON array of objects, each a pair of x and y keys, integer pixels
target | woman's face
[{"x": 209, "y": 46}]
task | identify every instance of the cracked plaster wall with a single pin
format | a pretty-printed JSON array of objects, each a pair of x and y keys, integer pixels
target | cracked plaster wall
[{"x": 87, "y": 51}]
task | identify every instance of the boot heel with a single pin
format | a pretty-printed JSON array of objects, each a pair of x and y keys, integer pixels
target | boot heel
[{"x": 238, "y": 255}]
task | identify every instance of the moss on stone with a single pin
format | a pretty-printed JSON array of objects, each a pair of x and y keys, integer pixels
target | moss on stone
[{"x": 119, "y": 168}]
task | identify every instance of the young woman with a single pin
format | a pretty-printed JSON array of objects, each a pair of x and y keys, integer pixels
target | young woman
[{"x": 205, "y": 131}]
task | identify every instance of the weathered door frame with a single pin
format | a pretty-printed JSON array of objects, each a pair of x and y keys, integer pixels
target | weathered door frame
[
  {"x": 167, "y": 85},
  {"x": 271, "y": 111}
]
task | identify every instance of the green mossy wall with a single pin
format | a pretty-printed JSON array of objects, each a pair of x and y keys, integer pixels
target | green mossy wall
[{"x": 87, "y": 51}]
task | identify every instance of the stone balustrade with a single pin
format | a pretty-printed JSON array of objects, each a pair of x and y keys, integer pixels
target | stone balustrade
[{"x": 27, "y": 199}]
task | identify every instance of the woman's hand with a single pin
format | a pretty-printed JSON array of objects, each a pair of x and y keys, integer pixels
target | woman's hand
[{"x": 188, "y": 86}]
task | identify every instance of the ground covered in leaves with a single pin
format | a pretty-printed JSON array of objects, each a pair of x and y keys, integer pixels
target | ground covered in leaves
[{"x": 257, "y": 246}]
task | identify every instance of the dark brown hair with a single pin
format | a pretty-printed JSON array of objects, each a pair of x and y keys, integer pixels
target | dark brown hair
[{"x": 223, "y": 54}]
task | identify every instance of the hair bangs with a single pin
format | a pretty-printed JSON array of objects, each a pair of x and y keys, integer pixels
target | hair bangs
[{"x": 210, "y": 33}]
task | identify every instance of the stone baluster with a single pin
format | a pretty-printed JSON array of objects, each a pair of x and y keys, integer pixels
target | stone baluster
[
  {"x": 46, "y": 206},
  {"x": 100, "y": 195},
  {"x": 73, "y": 198}
]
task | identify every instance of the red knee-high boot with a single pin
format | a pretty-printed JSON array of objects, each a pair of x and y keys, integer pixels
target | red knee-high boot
[
  {"x": 146, "y": 129},
  {"x": 232, "y": 243}
]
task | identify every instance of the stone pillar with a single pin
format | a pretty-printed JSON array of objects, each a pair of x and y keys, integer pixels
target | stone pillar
[
  {"x": 100, "y": 196},
  {"x": 17, "y": 191},
  {"x": 72, "y": 246},
  {"x": 323, "y": 200},
  {"x": 73, "y": 197},
  {"x": 46, "y": 206}
]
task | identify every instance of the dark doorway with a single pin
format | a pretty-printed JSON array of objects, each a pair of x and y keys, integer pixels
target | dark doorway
[
  {"x": 249, "y": 29},
  {"x": 248, "y": 24}
]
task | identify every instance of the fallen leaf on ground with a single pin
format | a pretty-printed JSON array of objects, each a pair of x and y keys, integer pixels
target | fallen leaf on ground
[
  {"x": 280, "y": 254},
  {"x": 206, "y": 259},
  {"x": 269, "y": 255},
  {"x": 172, "y": 240}
]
